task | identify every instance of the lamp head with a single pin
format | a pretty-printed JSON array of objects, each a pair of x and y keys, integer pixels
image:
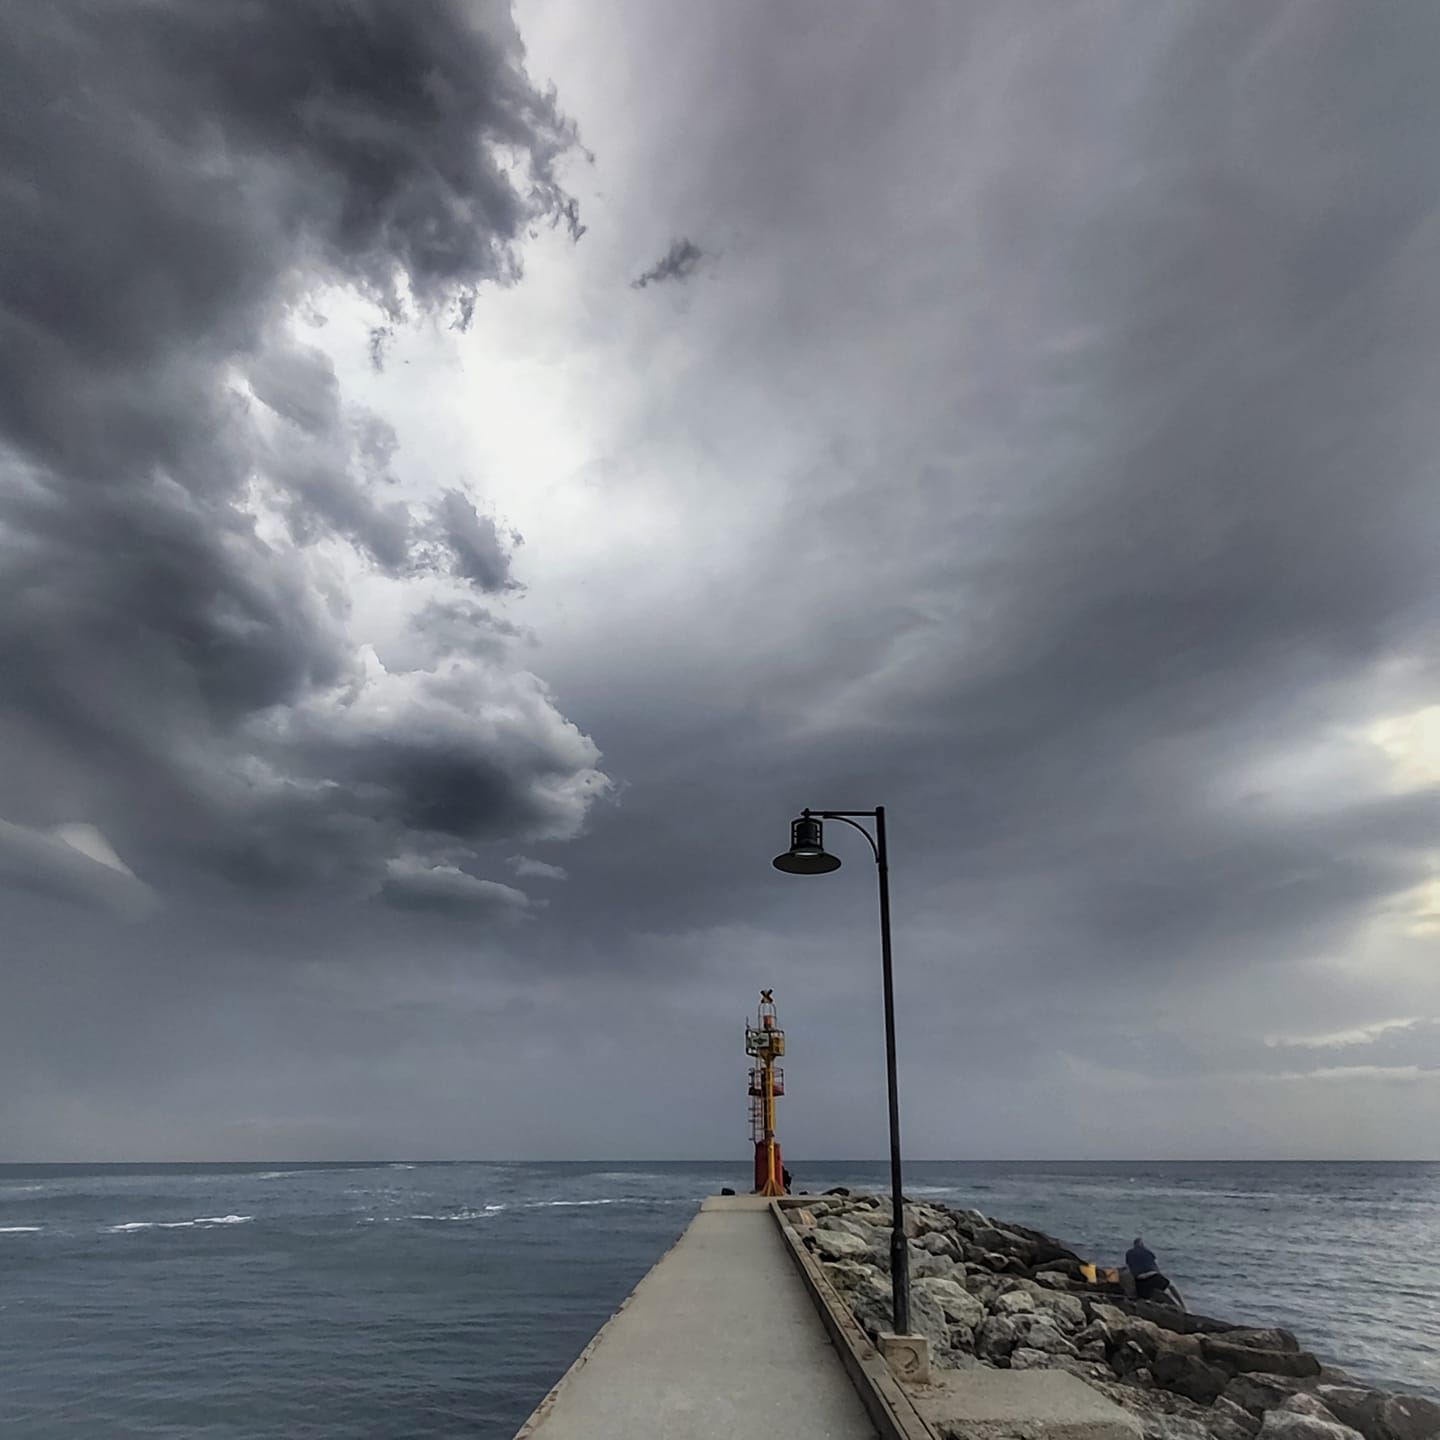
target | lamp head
[{"x": 807, "y": 854}]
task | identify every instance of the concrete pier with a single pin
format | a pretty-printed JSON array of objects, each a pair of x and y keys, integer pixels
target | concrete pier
[
  {"x": 721, "y": 1338},
  {"x": 737, "y": 1332}
]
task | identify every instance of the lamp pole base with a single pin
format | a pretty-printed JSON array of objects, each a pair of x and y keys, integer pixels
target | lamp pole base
[{"x": 907, "y": 1355}]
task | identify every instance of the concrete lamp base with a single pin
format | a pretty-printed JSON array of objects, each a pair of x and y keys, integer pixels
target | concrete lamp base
[{"x": 908, "y": 1356}]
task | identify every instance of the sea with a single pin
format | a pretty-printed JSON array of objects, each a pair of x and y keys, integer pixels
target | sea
[{"x": 413, "y": 1301}]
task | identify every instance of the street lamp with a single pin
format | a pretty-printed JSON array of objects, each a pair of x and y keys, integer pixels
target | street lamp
[{"x": 807, "y": 856}]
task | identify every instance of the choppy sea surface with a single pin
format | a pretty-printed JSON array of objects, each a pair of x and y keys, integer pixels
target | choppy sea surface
[{"x": 438, "y": 1300}]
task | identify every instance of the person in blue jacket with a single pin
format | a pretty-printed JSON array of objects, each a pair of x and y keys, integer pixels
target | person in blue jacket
[{"x": 1142, "y": 1265}]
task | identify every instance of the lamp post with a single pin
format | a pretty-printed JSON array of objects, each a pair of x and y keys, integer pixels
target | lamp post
[{"x": 807, "y": 856}]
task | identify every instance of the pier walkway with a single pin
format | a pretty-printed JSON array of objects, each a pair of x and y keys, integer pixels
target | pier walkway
[{"x": 720, "y": 1339}]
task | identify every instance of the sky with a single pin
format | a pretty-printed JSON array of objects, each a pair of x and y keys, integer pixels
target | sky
[{"x": 469, "y": 476}]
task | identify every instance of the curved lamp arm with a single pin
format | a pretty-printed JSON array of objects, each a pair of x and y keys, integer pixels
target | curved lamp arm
[{"x": 844, "y": 817}]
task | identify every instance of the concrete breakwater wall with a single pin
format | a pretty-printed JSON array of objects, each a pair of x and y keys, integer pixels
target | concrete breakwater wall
[{"x": 991, "y": 1296}]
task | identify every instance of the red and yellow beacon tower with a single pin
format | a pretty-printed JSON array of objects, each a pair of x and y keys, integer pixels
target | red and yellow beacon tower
[{"x": 765, "y": 1043}]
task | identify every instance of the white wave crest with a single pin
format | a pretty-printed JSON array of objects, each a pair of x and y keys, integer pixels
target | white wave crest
[
  {"x": 484, "y": 1214},
  {"x": 20, "y": 1229},
  {"x": 133, "y": 1225}
]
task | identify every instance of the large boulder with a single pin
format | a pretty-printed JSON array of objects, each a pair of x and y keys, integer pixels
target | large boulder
[
  {"x": 872, "y": 1305},
  {"x": 927, "y": 1318},
  {"x": 956, "y": 1303},
  {"x": 1296, "y": 1425},
  {"x": 840, "y": 1245},
  {"x": 870, "y": 1217},
  {"x": 1160, "y": 1426},
  {"x": 1303, "y": 1403},
  {"x": 1245, "y": 1359},
  {"x": 1052, "y": 1281},
  {"x": 996, "y": 1338},
  {"x": 939, "y": 1242},
  {"x": 1006, "y": 1242},
  {"x": 1261, "y": 1393},
  {"x": 1378, "y": 1416},
  {"x": 847, "y": 1225},
  {"x": 1271, "y": 1338},
  {"x": 1022, "y": 1357},
  {"x": 1045, "y": 1249},
  {"x": 1188, "y": 1375},
  {"x": 934, "y": 1267},
  {"x": 1408, "y": 1417},
  {"x": 1235, "y": 1419},
  {"x": 846, "y": 1275},
  {"x": 1069, "y": 1313},
  {"x": 1183, "y": 1322},
  {"x": 1042, "y": 1334},
  {"x": 1014, "y": 1302}
]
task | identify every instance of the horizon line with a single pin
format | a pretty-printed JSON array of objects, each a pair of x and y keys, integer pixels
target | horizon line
[{"x": 880, "y": 1162}]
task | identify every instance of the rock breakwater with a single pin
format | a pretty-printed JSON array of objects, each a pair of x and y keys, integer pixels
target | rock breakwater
[{"x": 986, "y": 1292}]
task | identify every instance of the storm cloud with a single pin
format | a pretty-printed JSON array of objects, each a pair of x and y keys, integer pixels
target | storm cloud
[
  {"x": 188, "y": 493},
  {"x": 1051, "y": 461}
]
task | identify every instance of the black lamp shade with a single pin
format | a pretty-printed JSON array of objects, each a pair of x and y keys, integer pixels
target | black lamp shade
[{"x": 807, "y": 854}]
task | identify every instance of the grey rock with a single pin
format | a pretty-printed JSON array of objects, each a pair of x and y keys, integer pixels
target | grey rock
[
  {"x": 1188, "y": 1375},
  {"x": 1290, "y": 1425},
  {"x": 956, "y": 1303},
  {"x": 1126, "y": 1358},
  {"x": 1014, "y": 1302},
  {"x": 1271, "y": 1338},
  {"x": 962, "y": 1338},
  {"x": 1379, "y": 1416},
  {"x": 997, "y": 1337},
  {"x": 1302, "y": 1403},
  {"x": 927, "y": 1318},
  {"x": 1024, "y": 1358},
  {"x": 845, "y": 1225},
  {"x": 870, "y": 1218},
  {"x": 933, "y": 1267},
  {"x": 1238, "y": 1422},
  {"x": 1041, "y": 1334},
  {"x": 850, "y": 1274},
  {"x": 1408, "y": 1417},
  {"x": 938, "y": 1242},
  {"x": 1259, "y": 1393},
  {"x": 1091, "y": 1371},
  {"x": 1245, "y": 1359},
  {"x": 840, "y": 1245},
  {"x": 1068, "y": 1312},
  {"x": 1160, "y": 1426},
  {"x": 1354, "y": 1405}
]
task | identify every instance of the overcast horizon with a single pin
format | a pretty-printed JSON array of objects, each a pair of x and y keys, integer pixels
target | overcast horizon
[{"x": 468, "y": 477}]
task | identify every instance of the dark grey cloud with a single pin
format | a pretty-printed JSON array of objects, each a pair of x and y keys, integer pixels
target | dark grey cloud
[
  {"x": 482, "y": 555},
  {"x": 1050, "y": 462},
  {"x": 677, "y": 263},
  {"x": 179, "y": 464}
]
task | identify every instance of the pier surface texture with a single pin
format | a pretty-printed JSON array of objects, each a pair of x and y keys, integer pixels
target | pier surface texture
[
  {"x": 737, "y": 1333},
  {"x": 721, "y": 1338}
]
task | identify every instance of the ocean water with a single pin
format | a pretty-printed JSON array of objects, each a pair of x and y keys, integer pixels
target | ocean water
[{"x": 439, "y": 1300}]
